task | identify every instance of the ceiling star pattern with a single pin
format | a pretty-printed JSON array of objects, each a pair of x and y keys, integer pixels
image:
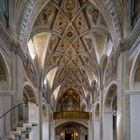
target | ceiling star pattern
[{"x": 73, "y": 42}]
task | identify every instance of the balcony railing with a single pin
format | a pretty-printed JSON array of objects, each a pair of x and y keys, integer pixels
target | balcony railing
[{"x": 71, "y": 115}]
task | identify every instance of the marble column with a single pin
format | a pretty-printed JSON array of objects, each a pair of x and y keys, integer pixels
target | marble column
[{"x": 108, "y": 126}]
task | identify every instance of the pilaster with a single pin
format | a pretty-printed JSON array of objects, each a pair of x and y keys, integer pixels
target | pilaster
[
  {"x": 96, "y": 129},
  {"x": 123, "y": 117},
  {"x": 53, "y": 136},
  {"x": 16, "y": 86},
  {"x": 108, "y": 126},
  {"x": 134, "y": 112}
]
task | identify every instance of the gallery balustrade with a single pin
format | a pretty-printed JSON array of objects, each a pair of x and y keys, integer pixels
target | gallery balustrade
[{"x": 71, "y": 115}]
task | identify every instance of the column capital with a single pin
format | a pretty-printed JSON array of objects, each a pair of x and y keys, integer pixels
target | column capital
[{"x": 17, "y": 49}]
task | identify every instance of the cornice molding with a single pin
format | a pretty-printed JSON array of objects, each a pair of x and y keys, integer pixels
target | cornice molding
[{"x": 9, "y": 44}]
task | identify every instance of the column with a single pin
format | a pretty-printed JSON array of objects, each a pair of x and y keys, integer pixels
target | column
[
  {"x": 34, "y": 120},
  {"x": 91, "y": 125},
  {"x": 40, "y": 115},
  {"x": 46, "y": 125},
  {"x": 123, "y": 116},
  {"x": 90, "y": 130},
  {"x": 107, "y": 126},
  {"x": 17, "y": 72},
  {"x": 53, "y": 137}
]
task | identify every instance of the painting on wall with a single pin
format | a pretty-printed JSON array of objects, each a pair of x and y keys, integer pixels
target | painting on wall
[{"x": 93, "y": 13}]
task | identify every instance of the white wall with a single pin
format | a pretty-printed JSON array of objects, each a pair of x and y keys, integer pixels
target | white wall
[
  {"x": 107, "y": 126},
  {"x": 45, "y": 129},
  {"x": 96, "y": 130},
  {"x": 33, "y": 118},
  {"x": 33, "y": 113},
  {"x": 34, "y": 135},
  {"x": 135, "y": 116}
]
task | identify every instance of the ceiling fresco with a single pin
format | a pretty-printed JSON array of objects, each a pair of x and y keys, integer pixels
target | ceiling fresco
[{"x": 78, "y": 40}]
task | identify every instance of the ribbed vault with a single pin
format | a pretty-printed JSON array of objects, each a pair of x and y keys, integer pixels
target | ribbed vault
[{"x": 70, "y": 37}]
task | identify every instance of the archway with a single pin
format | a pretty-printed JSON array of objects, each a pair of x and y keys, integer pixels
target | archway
[
  {"x": 134, "y": 79},
  {"x": 4, "y": 75},
  {"x": 110, "y": 113},
  {"x": 30, "y": 112},
  {"x": 135, "y": 97},
  {"x": 5, "y": 96},
  {"x": 71, "y": 131}
]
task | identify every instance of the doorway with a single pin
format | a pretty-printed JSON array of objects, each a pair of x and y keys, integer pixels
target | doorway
[{"x": 68, "y": 136}]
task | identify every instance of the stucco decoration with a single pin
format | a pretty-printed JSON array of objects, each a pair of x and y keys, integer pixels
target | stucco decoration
[
  {"x": 78, "y": 40},
  {"x": 75, "y": 33},
  {"x": 32, "y": 9}
]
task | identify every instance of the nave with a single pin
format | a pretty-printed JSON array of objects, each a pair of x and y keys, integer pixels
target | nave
[{"x": 69, "y": 69}]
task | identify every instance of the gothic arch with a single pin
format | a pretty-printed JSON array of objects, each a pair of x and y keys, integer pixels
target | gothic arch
[
  {"x": 29, "y": 94},
  {"x": 110, "y": 96},
  {"x": 25, "y": 26},
  {"x": 134, "y": 72},
  {"x": 72, "y": 121}
]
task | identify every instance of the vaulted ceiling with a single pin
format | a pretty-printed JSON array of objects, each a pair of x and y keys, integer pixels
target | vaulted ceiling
[{"x": 70, "y": 37}]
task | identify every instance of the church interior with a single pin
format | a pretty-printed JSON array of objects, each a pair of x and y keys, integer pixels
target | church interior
[{"x": 69, "y": 69}]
